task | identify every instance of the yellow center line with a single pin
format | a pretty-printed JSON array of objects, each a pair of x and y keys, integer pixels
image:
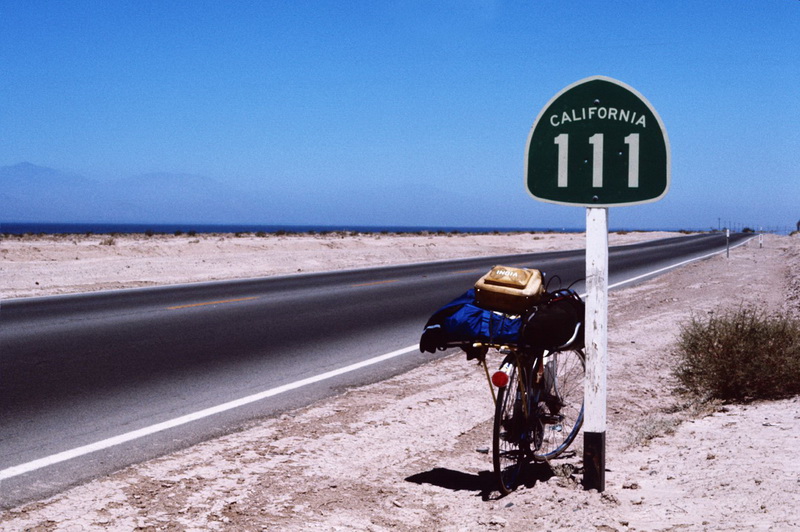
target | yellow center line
[
  {"x": 377, "y": 282},
  {"x": 211, "y": 303},
  {"x": 467, "y": 271}
]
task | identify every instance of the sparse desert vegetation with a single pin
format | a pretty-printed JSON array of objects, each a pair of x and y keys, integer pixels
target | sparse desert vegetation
[{"x": 740, "y": 354}]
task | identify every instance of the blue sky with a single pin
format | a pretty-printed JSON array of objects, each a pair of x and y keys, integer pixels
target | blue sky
[{"x": 322, "y": 103}]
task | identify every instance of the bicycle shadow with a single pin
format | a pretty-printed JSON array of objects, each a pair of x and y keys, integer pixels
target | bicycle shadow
[{"x": 484, "y": 483}]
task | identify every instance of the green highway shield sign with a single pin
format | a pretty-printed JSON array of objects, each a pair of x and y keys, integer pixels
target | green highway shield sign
[{"x": 598, "y": 143}]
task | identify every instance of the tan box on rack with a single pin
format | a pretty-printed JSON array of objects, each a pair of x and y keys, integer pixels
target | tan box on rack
[{"x": 509, "y": 290}]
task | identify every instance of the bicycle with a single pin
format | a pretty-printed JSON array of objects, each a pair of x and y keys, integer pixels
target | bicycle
[
  {"x": 539, "y": 400},
  {"x": 538, "y": 411},
  {"x": 538, "y": 405}
]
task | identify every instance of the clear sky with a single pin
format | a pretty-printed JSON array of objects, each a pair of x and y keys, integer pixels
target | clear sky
[{"x": 420, "y": 108}]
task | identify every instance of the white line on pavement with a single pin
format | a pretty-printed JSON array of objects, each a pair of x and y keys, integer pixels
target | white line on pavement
[
  {"x": 159, "y": 427},
  {"x": 676, "y": 265}
]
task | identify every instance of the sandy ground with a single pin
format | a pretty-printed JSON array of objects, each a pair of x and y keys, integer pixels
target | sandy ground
[{"x": 410, "y": 453}]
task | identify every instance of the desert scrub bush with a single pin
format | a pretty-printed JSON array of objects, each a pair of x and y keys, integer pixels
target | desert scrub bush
[{"x": 740, "y": 355}]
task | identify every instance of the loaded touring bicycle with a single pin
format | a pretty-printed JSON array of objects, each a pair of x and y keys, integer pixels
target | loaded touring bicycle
[{"x": 539, "y": 333}]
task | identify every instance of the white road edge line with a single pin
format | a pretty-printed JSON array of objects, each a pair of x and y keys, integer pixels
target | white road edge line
[
  {"x": 159, "y": 427},
  {"x": 676, "y": 265}
]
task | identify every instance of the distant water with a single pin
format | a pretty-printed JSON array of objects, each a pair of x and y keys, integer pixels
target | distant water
[{"x": 17, "y": 228}]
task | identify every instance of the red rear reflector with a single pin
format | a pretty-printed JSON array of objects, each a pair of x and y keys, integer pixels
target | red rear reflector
[{"x": 500, "y": 379}]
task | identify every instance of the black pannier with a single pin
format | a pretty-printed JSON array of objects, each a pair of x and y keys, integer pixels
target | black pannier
[{"x": 556, "y": 321}]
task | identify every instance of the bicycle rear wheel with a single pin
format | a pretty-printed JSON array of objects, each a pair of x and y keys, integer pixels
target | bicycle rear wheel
[
  {"x": 510, "y": 448},
  {"x": 559, "y": 404}
]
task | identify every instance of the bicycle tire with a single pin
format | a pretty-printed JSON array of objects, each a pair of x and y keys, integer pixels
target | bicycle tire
[
  {"x": 558, "y": 400},
  {"x": 510, "y": 450}
]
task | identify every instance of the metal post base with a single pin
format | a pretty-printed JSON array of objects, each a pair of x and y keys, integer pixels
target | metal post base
[{"x": 594, "y": 461}]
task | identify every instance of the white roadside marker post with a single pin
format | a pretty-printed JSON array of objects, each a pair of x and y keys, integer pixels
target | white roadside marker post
[
  {"x": 596, "y": 340},
  {"x": 727, "y": 243}
]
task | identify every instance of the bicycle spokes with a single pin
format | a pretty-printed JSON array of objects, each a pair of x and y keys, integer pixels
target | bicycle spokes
[{"x": 538, "y": 413}]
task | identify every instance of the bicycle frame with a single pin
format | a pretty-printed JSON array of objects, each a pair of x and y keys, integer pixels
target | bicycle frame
[{"x": 519, "y": 352}]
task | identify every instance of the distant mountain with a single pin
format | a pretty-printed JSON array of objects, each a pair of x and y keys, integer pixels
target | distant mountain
[
  {"x": 31, "y": 193},
  {"x": 29, "y": 175},
  {"x": 36, "y": 194}
]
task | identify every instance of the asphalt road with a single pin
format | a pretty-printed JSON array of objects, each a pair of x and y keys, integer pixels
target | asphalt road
[{"x": 80, "y": 369}]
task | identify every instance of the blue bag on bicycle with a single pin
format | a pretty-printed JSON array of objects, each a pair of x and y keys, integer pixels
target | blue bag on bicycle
[
  {"x": 474, "y": 324},
  {"x": 462, "y": 321}
]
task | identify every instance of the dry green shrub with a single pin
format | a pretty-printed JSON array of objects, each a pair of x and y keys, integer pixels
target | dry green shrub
[
  {"x": 652, "y": 427},
  {"x": 740, "y": 355}
]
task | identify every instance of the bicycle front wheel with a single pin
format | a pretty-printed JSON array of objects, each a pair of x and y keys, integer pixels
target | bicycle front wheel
[
  {"x": 559, "y": 403},
  {"x": 510, "y": 433}
]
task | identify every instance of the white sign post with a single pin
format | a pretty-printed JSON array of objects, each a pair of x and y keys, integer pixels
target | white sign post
[
  {"x": 596, "y": 339},
  {"x": 598, "y": 143}
]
